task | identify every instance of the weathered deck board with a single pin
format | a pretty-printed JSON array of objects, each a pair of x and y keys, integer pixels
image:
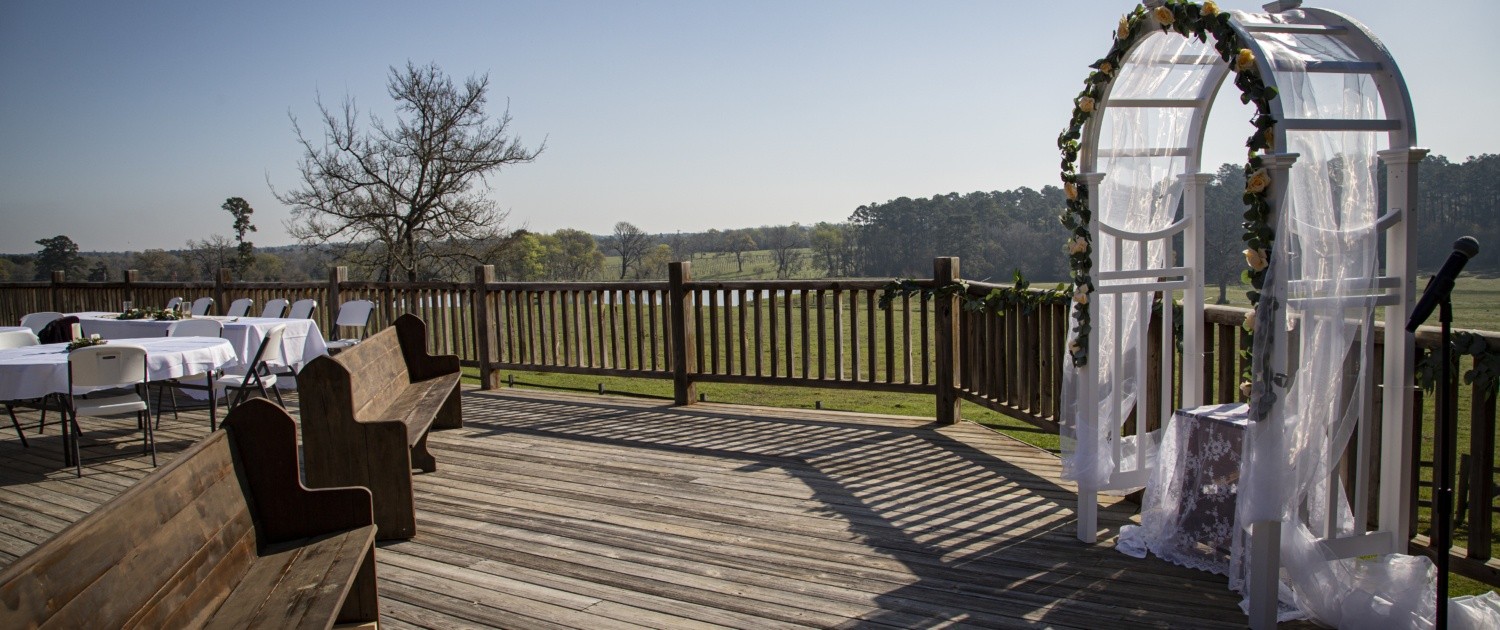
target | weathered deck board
[{"x": 556, "y": 511}]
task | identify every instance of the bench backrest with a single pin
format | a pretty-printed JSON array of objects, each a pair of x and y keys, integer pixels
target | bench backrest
[
  {"x": 194, "y": 521},
  {"x": 381, "y": 371}
]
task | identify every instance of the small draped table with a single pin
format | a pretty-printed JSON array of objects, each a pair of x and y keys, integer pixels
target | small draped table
[{"x": 1187, "y": 511}]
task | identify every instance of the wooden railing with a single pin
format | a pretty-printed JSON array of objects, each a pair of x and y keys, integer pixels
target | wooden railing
[{"x": 813, "y": 333}]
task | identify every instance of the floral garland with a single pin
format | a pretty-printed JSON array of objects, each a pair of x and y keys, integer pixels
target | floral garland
[
  {"x": 1484, "y": 375},
  {"x": 1188, "y": 19},
  {"x": 997, "y": 301}
]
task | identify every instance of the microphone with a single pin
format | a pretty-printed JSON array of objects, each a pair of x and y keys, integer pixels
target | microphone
[{"x": 1441, "y": 285}]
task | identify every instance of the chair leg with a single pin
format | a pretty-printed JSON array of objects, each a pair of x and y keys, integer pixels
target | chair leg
[
  {"x": 71, "y": 425},
  {"x": 150, "y": 438},
  {"x": 43, "y": 423},
  {"x": 17, "y": 424},
  {"x": 279, "y": 401}
]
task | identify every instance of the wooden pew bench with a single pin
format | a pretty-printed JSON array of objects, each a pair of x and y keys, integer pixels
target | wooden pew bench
[
  {"x": 366, "y": 413},
  {"x": 224, "y": 535}
]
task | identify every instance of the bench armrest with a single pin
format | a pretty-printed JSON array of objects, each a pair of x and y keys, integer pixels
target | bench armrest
[{"x": 264, "y": 438}]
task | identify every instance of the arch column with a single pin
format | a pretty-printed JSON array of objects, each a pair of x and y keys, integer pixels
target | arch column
[
  {"x": 1086, "y": 415},
  {"x": 1193, "y": 185},
  {"x": 1400, "y": 347}
]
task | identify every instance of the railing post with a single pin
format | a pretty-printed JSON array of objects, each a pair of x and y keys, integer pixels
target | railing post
[
  {"x": 55, "y": 295},
  {"x": 221, "y": 281},
  {"x": 483, "y": 275},
  {"x": 130, "y": 276},
  {"x": 684, "y": 336},
  {"x": 944, "y": 273},
  {"x": 336, "y": 275}
]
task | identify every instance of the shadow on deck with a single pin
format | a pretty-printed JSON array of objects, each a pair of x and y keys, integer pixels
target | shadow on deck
[{"x": 556, "y": 511}]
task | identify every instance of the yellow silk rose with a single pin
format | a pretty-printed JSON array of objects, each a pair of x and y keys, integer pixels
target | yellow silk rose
[
  {"x": 1071, "y": 190},
  {"x": 1245, "y": 389},
  {"x": 1258, "y": 182},
  {"x": 1107, "y": 68},
  {"x": 1244, "y": 61},
  {"x": 1256, "y": 258},
  {"x": 1081, "y": 295},
  {"x": 1086, "y": 104},
  {"x": 1210, "y": 9},
  {"x": 1123, "y": 31},
  {"x": 1164, "y": 15},
  {"x": 1250, "y": 321}
]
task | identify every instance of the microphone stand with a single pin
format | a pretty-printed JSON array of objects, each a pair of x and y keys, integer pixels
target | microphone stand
[{"x": 1442, "y": 467}]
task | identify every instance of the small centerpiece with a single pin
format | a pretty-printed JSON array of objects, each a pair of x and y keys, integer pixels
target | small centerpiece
[
  {"x": 84, "y": 342},
  {"x": 136, "y": 313}
]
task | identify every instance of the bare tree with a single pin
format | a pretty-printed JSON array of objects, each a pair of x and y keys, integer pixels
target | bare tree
[
  {"x": 630, "y": 243},
  {"x": 388, "y": 193},
  {"x": 210, "y": 255},
  {"x": 786, "y": 243},
  {"x": 737, "y": 243}
]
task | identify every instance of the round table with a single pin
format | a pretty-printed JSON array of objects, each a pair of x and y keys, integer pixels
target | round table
[{"x": 35, "y": 371}]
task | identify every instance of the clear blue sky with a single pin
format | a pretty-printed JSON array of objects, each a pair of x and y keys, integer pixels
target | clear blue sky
[{"x": 126, "y": 124}]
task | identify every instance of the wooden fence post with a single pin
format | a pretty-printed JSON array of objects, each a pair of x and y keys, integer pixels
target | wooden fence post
[
  {"x": 221, "y": 280},
  {"x": 944, "y": 273},
  {"x": 335, "y": 276},
  {"x": 483, "y": 275},
  {"x": 55, "y": 295},
  {"x": 684, "y": 336},
  {"x": 130, "y": 277}
]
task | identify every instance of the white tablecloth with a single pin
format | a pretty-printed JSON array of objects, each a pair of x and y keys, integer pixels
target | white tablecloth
[
  {"x": 35, "y": 371},
  {"x": 301, "y": 343},
  {"x": 6, "y": 329}
]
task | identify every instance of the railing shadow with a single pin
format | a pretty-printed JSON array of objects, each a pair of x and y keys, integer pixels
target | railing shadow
[{"x": 983, "y": 541}]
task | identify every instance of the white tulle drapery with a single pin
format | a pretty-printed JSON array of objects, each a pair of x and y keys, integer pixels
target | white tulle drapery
[{"x": 1143, "y": 152}]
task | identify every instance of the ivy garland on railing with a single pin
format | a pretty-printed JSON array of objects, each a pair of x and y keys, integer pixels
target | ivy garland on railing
[
  {"x": 997, "y": 301},
  {"x": 1485, "y": 375},
  {"x": 1188, "y": 19}
]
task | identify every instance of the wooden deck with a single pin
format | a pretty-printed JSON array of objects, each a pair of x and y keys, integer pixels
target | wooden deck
[{"x": 554, "y": 511}]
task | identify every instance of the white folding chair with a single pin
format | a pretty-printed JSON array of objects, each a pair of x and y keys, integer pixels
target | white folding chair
[
  {"x": 240, "y": 307},
  {"x": 37, "y": 321},
  {"x": 201, "y": 306},
  {"x": 99, "y": 367},
  {"x": 354, "y": 314},
  {"x": 17, "y": 339},
  {"x": 173, "y": 303},
  {"x": 302, "y": 309},
  {"x": 259, "y": 375},
  {"x": 274, "y": 308}
]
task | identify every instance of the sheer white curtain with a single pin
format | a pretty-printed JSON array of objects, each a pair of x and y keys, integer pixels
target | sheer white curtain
[
  {"x": 1314, "y": 352},
  {"x": 1142, "y": 154}
]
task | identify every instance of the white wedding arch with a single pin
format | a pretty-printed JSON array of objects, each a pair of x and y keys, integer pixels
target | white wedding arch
[{"x": 1332, "y": 172}]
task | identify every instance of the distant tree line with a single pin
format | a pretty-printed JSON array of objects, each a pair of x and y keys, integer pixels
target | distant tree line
[{"x": 995, "y": 233}]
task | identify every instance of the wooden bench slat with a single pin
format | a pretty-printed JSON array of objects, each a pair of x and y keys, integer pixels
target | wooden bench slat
[
  {"x": 87, "y": 554},
  {"x": 276, "y": 593}
]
